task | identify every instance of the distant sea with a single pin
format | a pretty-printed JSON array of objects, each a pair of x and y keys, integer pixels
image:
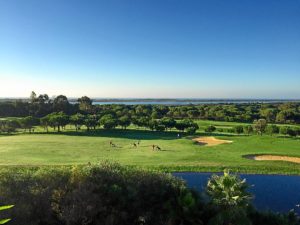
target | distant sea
[
  {"x": 186, "y": 101},
  {"x": 169, "y": 101}
]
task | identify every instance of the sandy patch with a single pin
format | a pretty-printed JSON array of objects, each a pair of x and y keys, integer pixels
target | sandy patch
[
  {"x": 210, "y": 141},
  {"x": 276, "y": 158}
]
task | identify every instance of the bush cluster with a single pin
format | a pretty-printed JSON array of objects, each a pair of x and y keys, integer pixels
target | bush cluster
[
  {"x": 110, "y": 194},
  {"x": 107, "y": 194}
]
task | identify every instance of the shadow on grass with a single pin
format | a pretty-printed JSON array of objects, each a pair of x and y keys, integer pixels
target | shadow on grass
[
  {"x": 215, "y": 134},
  {"x": 287, "y": 137},
  {"x": 6, "y": 134},
  {"x": 119, "y": 133}
]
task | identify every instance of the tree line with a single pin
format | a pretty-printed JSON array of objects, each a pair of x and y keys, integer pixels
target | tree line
[
  {"x": 259, "y": 127},
  {"x": 41, "y": 105},
  {"x": 59, "y": 120}
]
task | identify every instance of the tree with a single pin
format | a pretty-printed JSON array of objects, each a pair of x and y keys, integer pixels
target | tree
[
  {"x": 142, "y": 121},
  {"x": 5, "y": 207},
  {"x": 287, "y": 116},
  {"x": 8, "y": 126},
  {"x": 43, "y": 105},
  {"x": 272, "y": 129},
  {"x": 193, "y": 113},
  {"x": 58, "y": 120},
  {"x": 297, "y": 130},
  {"x": 291, "y": 132},
  {"x": 210, "y": 129},
  {"x": 160, "y": 127},
  {"x": 90, "y": 121},
  {"x": 283, "y": 130},
  {"x": 228, "y": 193},
  {"x": 108, "y": 121},
  {"x": 45, "y": 122},
  {"x": 124, "y": 122},
  {"x": 248, "y": 129},
  {"x": 61, "y": 104},
  {"x": 260, "y": 126},
  {"x": 77, "y": 120},
  {"x": 239, "y": 129},
  {"x": 85, "y": 104},
  {"x": 155, "y": 115},
  {"x": 39, "y": 105},
  {"x": 194, "y": 126},
  {"x": 269, "y": 114},
  {"x": 184, "y": 124},
  {"x": 191, "y": 130},
  {"x": 32, "y": 97},
  {"x": 168, "y": 122},
  {"x": 28, "y": 123},
  {"x": 152, "y": 124}
]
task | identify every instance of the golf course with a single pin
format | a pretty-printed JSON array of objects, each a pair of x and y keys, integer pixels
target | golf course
[{"x": 134, "y": 147}]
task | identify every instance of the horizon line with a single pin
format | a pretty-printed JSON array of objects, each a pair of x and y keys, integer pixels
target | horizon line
[{"x": 173, "y": 98}]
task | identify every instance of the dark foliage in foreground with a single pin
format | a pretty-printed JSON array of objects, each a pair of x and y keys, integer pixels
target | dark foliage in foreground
[
  {"x": 111, "y": 195},
  {"x": 108, "y": 194}
]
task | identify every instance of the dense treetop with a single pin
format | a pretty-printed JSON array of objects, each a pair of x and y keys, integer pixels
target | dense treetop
[{"x": 42, "y": 105}]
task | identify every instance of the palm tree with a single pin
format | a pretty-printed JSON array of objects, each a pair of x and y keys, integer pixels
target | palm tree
[
  {"x": 228, "y": 193},
  {"x": 3, "y": 221}
]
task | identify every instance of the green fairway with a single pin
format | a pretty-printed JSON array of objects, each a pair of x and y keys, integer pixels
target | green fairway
[{"x": 69, "y": 147}]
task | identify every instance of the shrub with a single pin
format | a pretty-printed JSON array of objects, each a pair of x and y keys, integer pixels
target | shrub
[
  {"x": 272, "y": 218},
  {"x": 191, "y": 130},
  {"x": 291, "y": 132},
  {"x": 283, "y": 130},
  {"x": 288, "y": 131},
  {"x": 210, "y": 129},
  {"x": 248, "y": 129},
  {"x": 239, "y": 129},
  {"x": 110, "y": 194},
  {"x": 272, "y": 129},
  {"x": 8, "y": 126},
  {"x": 297, "y": 130},
  {"x": 160, "y": 127},
  {"x": 106, "y": 194}
]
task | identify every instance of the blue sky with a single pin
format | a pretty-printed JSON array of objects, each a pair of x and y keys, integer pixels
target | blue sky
[{"x": 151, "y": 48}]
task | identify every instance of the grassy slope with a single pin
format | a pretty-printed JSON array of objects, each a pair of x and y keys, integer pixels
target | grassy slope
[{"x": 177, "y": 155}]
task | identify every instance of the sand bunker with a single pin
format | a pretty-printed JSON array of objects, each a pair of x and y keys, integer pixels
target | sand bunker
[
  {"x": 210, "y": 141},
  {"x": 275, "y": 158}
]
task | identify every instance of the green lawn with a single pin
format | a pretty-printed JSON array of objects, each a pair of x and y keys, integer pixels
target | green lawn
[
  {"x": 69, "y": 147},
  {"x": 221, "y": 124}
]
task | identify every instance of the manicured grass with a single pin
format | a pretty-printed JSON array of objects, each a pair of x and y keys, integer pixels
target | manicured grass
[
  {"x": 225, "y": 125},
  {"x": 69, "y": 147}
]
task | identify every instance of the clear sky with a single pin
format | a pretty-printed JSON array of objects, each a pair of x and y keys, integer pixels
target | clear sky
[{"x": 150, "y": 48}]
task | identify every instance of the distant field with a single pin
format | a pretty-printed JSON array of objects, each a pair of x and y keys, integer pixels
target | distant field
[
  {"x": 69, "y": 147},
  {"x": 222, "y": 124}
]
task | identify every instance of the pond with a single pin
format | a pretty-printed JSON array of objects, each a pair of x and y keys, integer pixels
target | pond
[{"x": 279, "y": 193}]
